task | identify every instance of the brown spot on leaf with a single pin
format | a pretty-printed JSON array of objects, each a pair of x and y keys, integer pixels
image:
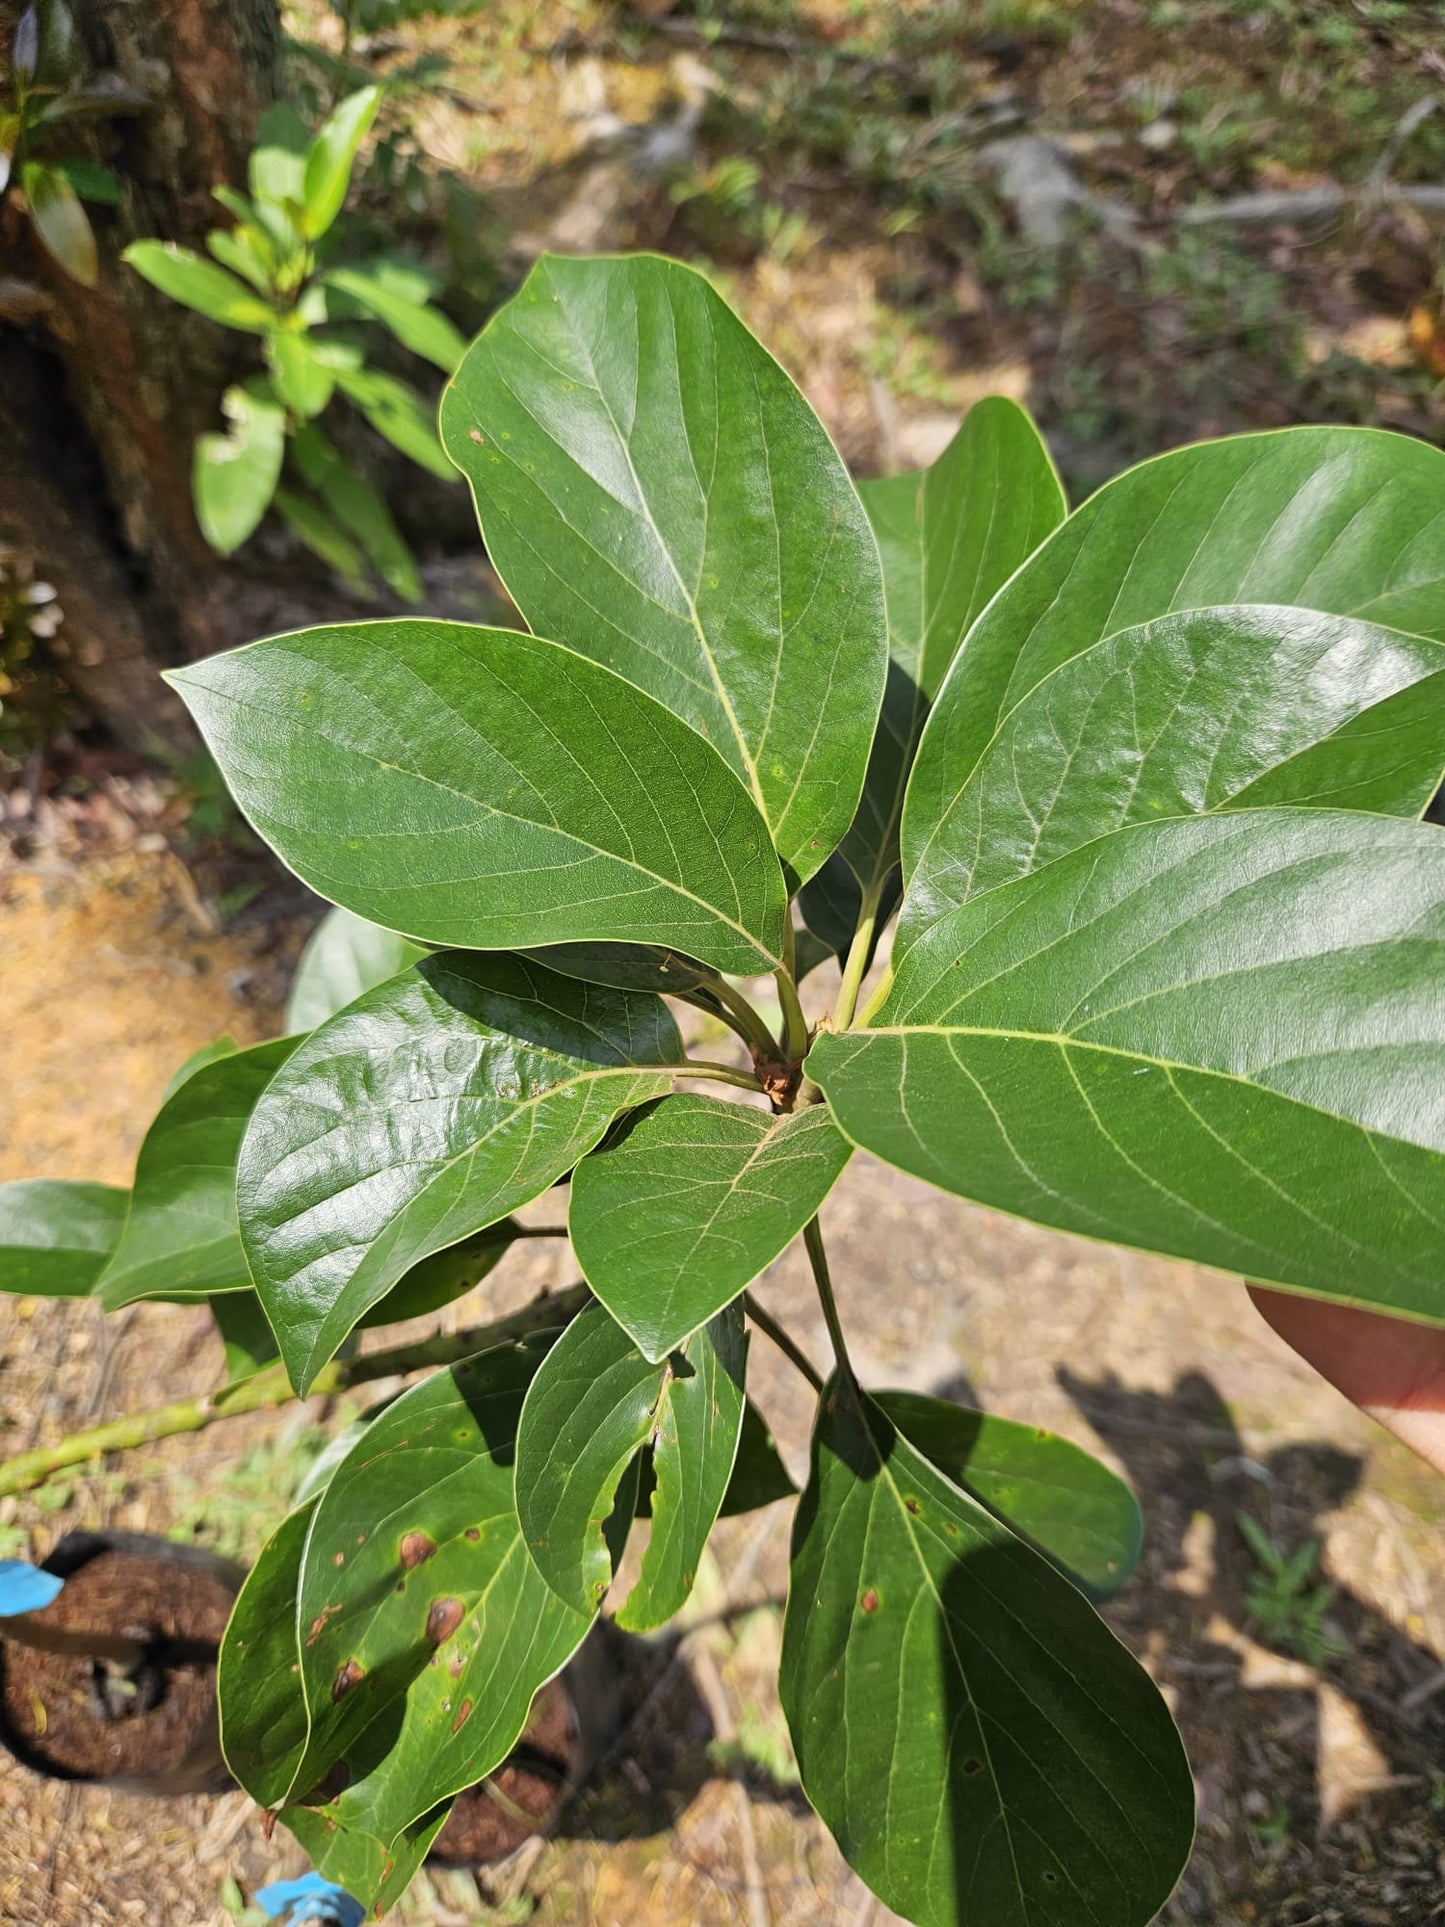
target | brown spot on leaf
[
  {"x": 318, "y": 1624},
  {"x": 475, "y": 435},
  {"x": 443, "y": 1619},
  {"x": 268, "y": 1822},
  {"x": 972, "y": 1766},
  {"x": 416, "y": 1549},
  {"x": 339, "y": 1560},
  {"x": 464, "y": 1713},
  {"x": 911, "y": 1505},
  {"x": 869, "y": 1601},
  {"x": 472, "y": 1534},
  {"x": 349, "y": 1676}
]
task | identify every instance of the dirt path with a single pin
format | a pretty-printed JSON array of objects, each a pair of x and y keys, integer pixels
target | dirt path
[{"x": 1318, "y": 1799}]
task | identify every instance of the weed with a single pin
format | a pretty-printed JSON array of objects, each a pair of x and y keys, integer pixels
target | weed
[{"x": 1284, "y": 1601}]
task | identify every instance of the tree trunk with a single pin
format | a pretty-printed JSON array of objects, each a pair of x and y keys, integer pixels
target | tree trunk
[{"x": 121, "y": 366}]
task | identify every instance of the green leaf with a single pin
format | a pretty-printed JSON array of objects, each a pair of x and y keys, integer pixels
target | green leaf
[
  {"x": 1070, "y": 1507},
  {"x": 235, "y": 249},
  {"x": 1214, "y": 709},
  {"x": 444, "y": 1277},
  {"x": 759, "y": 1476},
  {"x": 181, "y": 1238},
  {"x": 234, "y": 476},
  {"x": 1219, "y": 1037},
  {"x": 302, "y": 381},
  {"x": 399, "y": 413},
  {"x": 344, "y": 956},
  {"x": 331, "y": 156},
  {"x": 653, "y": 488},
  {"x": 60, "y": 221},
  {"x": 277, "y": 171},
  {"x": 415, "y": 325},
  {"x": 688, "y": 1200},
  {"x": 359, "y": 510},
  {"x": 981, "y": 1746},
  {"x": 1345, "y": 521},
  {"x": 56, "y": 1236},
  {"x": 248, "y": 1339},
  {"x": 93, "y": 182},
  {"x": 628, "y": 966},
  {"x": 441, "y": 780},
  {"x": 197, "y": 283},
  {"x": 592, "y": 1408},
  {"x": 428, "y": 1109},
  {"x": 207, "y": 1054},
  {"x": 425, "y": 1629},
  {"x": 376, "y": 1872},
  {"x": 950, "y": 537},
  {"x": 264, "y": 1721},
  {"x": 313, "y": 527}
]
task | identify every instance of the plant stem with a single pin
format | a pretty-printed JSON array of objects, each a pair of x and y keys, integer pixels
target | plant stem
[
  {"x": 880, "y": 992},
  {"x": 720, "y": 1073},
  {"x": 784, "y": 1340},
  {"x": 746, "y": 1021},
  {"x": 855, "y": 968},
  {"x": 795, "y": 1024},
  {"x": 818, "y": 1259},
  {"x": 265, "y": 1390}
]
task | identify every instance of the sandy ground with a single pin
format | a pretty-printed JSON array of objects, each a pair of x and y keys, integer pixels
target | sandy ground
[{"x": 1320, "y": 1791}]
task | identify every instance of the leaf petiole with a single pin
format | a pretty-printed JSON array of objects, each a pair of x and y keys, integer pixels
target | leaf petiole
[
  {"x": 818, "y": 1259},
  {"x": 784, "y": 1340},
  {"x": 719, "y": 1073},
  {"x": 860, "y": 952}
]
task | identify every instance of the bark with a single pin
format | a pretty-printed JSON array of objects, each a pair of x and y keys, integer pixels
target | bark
[{"x": 138, "y": 377}]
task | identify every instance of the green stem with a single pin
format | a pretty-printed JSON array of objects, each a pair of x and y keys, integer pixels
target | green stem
[
  {"x": 818, "y": 1259},
  {"x": 719, "y": 1073},
  {"x": 859, "y": 951},
  {"x": 879, "y": 996},
  {"x": 265, "y": 1390},
  {"x": 795, "y": 1024},
  {"x": 745, "y": 1020},
  {"x": 784, "y": 1340}
]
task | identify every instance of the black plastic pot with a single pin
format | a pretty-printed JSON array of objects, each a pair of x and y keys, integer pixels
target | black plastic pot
[{"x": 149, "y": 1726}]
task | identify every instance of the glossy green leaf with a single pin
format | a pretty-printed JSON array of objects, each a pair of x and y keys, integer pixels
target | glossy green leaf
[
  {"x": 1215, "y": 709},
  {"x": 463, "y": 785},
  {"x": 950, "y": 537},
  {"x": 302, "y": 381},
  {"x": 56, "y": 1236},
  {"x": 234, "y": 475},
  {"x": 1220, "y": 1037},
  {"x": 377, "y": 1872},
  {"x": 398, "y": 413},
  {"x": 688, "y": 1200},
  {"x": 314, "y": 528},
  {"x": 1345, "y": 521},
  {"x": 359, "y": 510},
  {"x": 344, "y": 956},
  {"x": 92, "y": 182},
  {"x": 60, "y": 221},
  {"x": 654, "y": 490},
  {"x": 428, "y": 1109},
  {"x": 982, "y": 1747},
  {"x": 628, "y": 966},
  {"x": 1066, "y": 1503},
  {"x": 592, "y": 1408},
  {"x": 425, "y": 1628},
  {"x": 181, "y": 1238},
  {"x": 416, "y": 326},
  {"x": 262, "y": 1708},
  {"x": 200, "y": 284},
  {"x": 331, "y": 156}
]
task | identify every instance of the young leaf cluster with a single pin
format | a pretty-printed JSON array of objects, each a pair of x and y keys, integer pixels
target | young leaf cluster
[
  {"x": 42, "y": 100},
  {"x": 270, "y": 275},
  {"x": 1143, "y": 784}
]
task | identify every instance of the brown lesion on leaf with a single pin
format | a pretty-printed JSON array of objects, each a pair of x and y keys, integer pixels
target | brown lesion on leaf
[
  {"x": 443, "y": 1619},
  {"x": 869, "y": 1601},
  {"x": 347, "y": 1679},
  {"x": 416, "y": 1549},
  {"x": 318, "y": 1624},
  {"x": 464, "y": 1713}
]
